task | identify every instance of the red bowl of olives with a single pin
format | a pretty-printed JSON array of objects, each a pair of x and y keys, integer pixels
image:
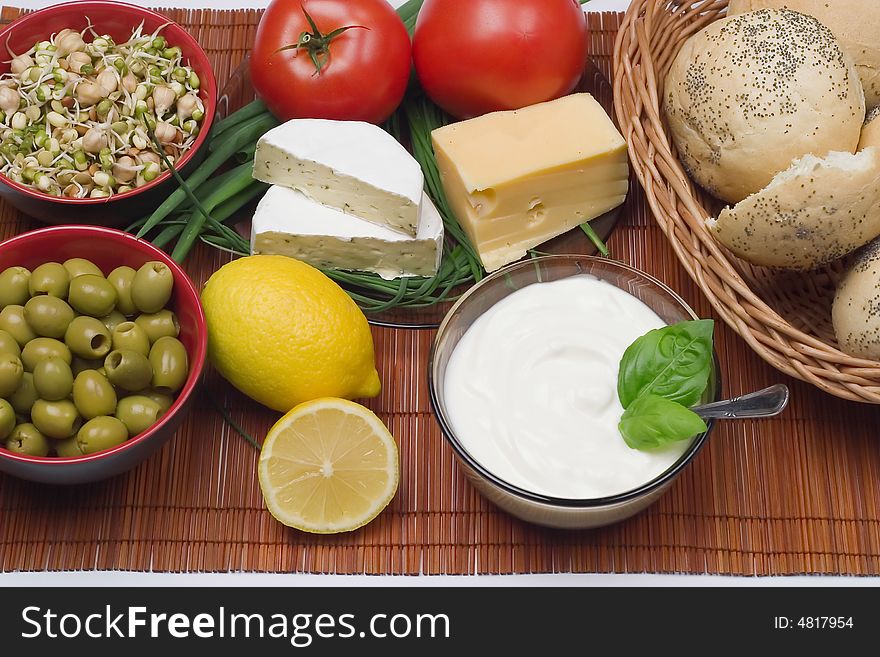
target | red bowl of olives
[{"x": 102, "y": 344}]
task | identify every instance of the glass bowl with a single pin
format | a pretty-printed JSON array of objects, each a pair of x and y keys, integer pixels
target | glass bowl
[{"x": 533, "y": 507}]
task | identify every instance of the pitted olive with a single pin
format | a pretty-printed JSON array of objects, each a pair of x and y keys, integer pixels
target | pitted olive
[
  {"x": 27, "y": 439},
  {"x": 79, "y": 266},
  {"x": 49, "y": 278},
  {"x": 56, "y": 419},
  {"x": 121, "y": 279},
  {"x": 14, "y": 286},
  {"x": 160, "y": 324},
  {"x": 92, "y": 295},
  {"x": 101, "y": 433},
  {"x": 42, "y": 348},
  {"x": 151, "y": 286},
  {"x": 87, "y": 337},
  {"x": 13, "y": 322},
  {"x": 48, "y": 316}
]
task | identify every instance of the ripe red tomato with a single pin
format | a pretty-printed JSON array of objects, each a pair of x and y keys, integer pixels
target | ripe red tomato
[
  {"x": 478, "y": 56},
  {"x": 363, "y": 72}
]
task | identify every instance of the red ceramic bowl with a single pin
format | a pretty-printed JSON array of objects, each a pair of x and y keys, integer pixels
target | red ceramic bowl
[
  {"x": 117, "y": 19},
  {"x": 109, "y": 248}
]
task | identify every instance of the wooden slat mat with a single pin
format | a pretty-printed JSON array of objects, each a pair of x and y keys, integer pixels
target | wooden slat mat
[{"x": 798, "y": 494}]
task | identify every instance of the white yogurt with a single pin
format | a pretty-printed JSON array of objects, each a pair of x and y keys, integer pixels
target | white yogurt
[{"x": 531, "y": 390}]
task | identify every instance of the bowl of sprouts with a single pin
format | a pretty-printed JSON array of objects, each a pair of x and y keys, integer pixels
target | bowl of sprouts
[{"x": 101, "y": 105}]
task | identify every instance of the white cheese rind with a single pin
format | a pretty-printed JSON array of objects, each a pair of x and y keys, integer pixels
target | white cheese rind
[
  {"x": 288, "y": 223},
  {"x": 352, "y": 166}
]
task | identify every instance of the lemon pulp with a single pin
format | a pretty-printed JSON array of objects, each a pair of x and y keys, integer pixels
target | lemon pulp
[{"x": 327, "y": 466}]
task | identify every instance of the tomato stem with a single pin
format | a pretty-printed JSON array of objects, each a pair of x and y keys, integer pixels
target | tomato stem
[{"x": 316, "y": 44}]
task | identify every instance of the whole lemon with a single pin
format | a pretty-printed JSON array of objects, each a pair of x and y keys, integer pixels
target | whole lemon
[{"x": 283, "y": 333}]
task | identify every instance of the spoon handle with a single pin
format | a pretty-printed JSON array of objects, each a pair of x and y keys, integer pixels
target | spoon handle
[{"x": 763, "y": 403}]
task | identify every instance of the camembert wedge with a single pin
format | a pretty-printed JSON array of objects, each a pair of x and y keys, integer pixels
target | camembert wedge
[
  {"x": 288, "y": 223},
  {"x": 352, "y": 166},
  {"x": 518, "y": 178}
]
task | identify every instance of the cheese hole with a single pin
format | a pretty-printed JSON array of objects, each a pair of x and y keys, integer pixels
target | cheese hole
[
  {"x": 537, "y": 211},
  {"x": 484, "y": 201}
]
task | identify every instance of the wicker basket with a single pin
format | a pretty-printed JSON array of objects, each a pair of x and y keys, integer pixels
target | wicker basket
[{"x": 785, "y": 317}]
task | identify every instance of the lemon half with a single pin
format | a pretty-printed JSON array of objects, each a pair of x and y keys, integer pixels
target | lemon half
[{"x": 329, "y": 465}]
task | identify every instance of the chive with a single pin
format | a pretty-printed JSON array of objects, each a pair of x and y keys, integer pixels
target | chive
[
  {"x": 236, "y": 202},
  {"x": 187, "y": 190},
  {"x": 232, "y": 423},
  {"x": 211, "y": 185},
  {"x": 168, "y": 233},
  {"x": 238, "y": 181},
  {"x": 217, "y": 140},
  {"x": 594, "y": 238},
  {"x": 237, "y": 139},
  {"x": 249, "y": 111},
  {"x": 246, "y": 154}
]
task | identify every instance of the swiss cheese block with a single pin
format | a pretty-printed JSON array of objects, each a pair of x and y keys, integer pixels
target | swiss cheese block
[
  {"x": 288, "y": 223},
  {"x": 518, "y": 178},
  {"x": 352, "y": 166}
]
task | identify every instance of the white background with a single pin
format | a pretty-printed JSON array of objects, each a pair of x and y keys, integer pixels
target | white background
[{"x": 246, "y": 579}]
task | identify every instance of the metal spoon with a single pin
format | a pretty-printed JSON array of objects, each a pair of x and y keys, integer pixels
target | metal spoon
[{"x": 763, "y": 403}]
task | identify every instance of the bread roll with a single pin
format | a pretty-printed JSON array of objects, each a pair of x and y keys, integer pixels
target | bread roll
[
  {"x": 855, "y": 23},
  {"x": 750, "y": 93},
  {"x": 817, "y": 211},
  {"x": 855, "y": 313},
  {"x": 871, "y": 130}
]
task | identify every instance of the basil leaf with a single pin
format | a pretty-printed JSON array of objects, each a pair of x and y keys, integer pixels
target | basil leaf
[
  {"x": 652, "y": 421},
  {"x": 672, "y": 362}
]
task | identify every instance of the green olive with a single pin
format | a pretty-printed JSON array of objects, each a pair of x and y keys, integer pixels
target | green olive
[
  {"x": 53, "y": 379},
  {"x": 160, "y": 324},
  {"x": 121, "y": 279},
  {"x": 13, "y": 322},
  {"x": 11, "y": 370},
  {"x": 82, "y": 364},
  {"x": 93, "y": 395},
  {"x": 67, "y": 448},
  {"x": 128, "y": 369},
  {"x": 27, "y": 439},
  {"x": 87, "y": 337},
  {"x": 101, "y": 433},
  {"x": 170, "y": 364},
  {"x": 138, "y": 413},
  {"x": 79, "y": 266},
  {"x": 7, "y": 419},
  {"x": 129, "y": 335},
  {"x": 49, "y": 278},
  {"x": 114, "y": 319},
  {"x": 14, "y": 286},
  {"x": 151, "y": 286},
  {"x": 48, "y": 316},
  {"x": 92, "y": 295},
  {"x": 164, "y": 401},
  {"x": 23, "y": 398},
  {"x": 8, "y": 345},
  {"x": 56, "y": 419},
  {"x": 42, "y": 348}
]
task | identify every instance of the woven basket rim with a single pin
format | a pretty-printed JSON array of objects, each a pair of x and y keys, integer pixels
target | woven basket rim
[{"x": 651, "y": 33}]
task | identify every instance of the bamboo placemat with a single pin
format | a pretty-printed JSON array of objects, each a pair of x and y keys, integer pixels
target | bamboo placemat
[{"x": 797, "y": 494}]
